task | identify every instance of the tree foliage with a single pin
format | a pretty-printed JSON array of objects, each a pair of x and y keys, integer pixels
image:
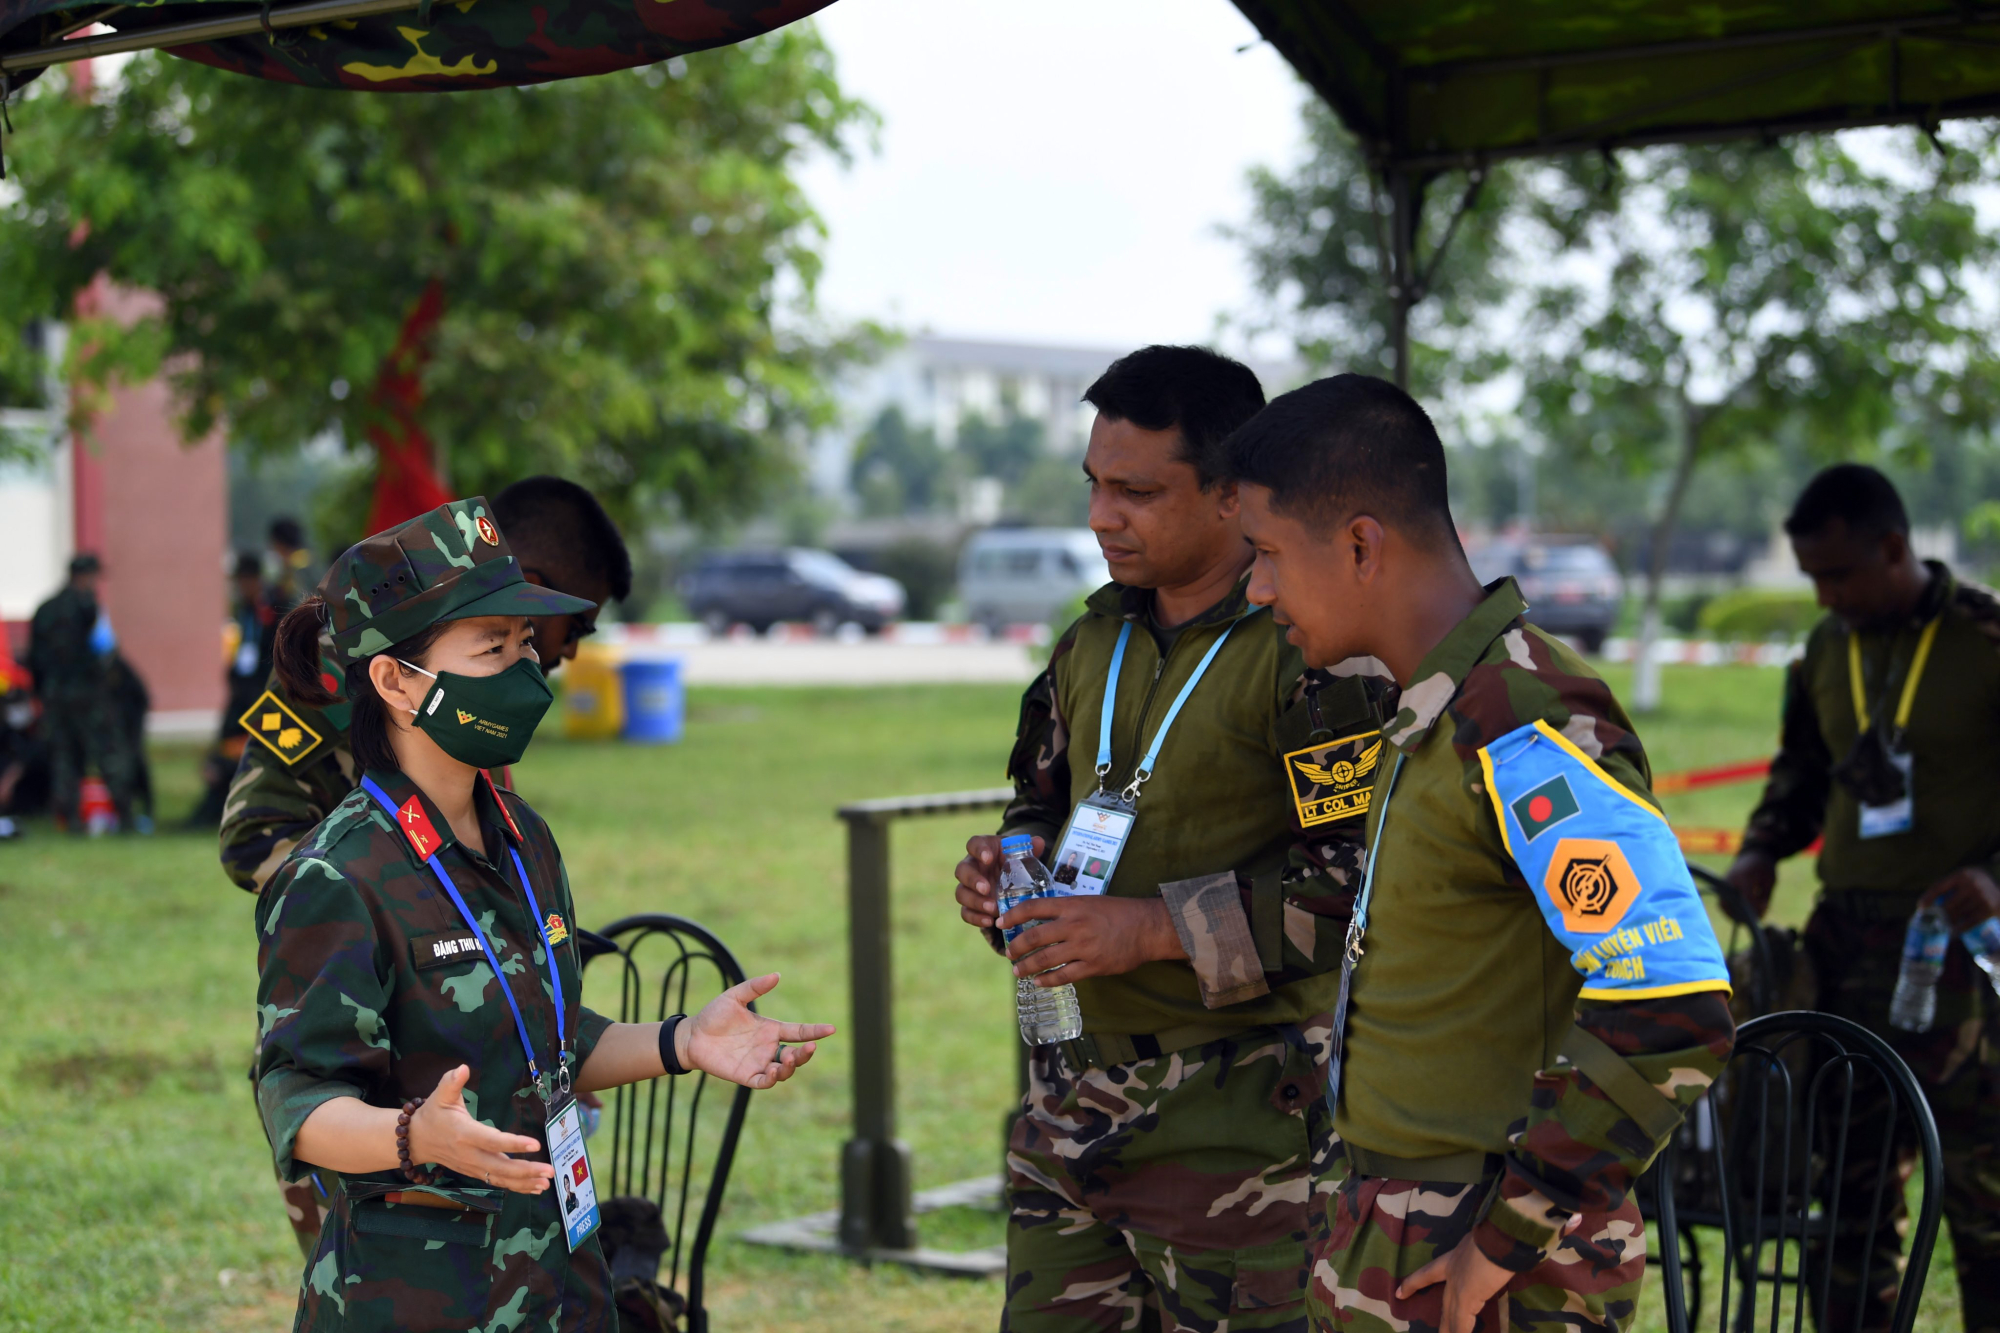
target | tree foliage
[{"x": 627, "y": 260}]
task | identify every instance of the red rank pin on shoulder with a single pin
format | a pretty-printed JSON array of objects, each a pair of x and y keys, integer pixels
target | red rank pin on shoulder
[{"x": 416, "y": 826}]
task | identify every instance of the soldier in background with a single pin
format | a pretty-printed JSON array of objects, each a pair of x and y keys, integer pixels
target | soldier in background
[
  {"x": 288, "y": 545},
  {"x": 69, "y": 654},
  {"x": 297, "y": 764},
  {"x": 256, "y": 622},
  {"x": 1899, "y": 688}
]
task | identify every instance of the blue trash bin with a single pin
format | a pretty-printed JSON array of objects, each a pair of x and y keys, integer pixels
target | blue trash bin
[{"x": 655, "y": 704}]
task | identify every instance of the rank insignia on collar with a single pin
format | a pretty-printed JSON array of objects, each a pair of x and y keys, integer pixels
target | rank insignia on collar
[
  {"x": 417, "y": 827},
  {"x": 555, "y": 929},
  {"x": 1335, "y": 780},
  {"x": 282, "y": 731}
]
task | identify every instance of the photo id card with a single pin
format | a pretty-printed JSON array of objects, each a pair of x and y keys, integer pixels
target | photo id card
[
  {"x": 1882, "y": 821},
  {"x": 1088, "y": 852},
  {"x": 576, "y": 1190}
]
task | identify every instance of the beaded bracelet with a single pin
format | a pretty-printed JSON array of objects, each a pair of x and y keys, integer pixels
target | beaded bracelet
[{"x": 415, "y": 1174}]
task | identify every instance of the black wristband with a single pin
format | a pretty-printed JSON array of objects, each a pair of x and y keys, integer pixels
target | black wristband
[{"x": 667, "y": 1056}]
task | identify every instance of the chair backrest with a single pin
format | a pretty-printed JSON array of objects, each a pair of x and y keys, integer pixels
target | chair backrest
[
  {"x": 1783, "y": 1125},
  {"x": 1740, "y": 937},
  {"x": 660, "y": 1150}
]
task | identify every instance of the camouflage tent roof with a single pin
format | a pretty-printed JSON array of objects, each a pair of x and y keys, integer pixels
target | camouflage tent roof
[
  {"x": 391, "y": 45},
  {"x": 1434, "y": 83}
]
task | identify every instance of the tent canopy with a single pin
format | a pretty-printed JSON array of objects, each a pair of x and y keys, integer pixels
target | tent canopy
[
  {"x": 1436, "y": 85},
  {"x": 390, "y": 45},
  {"x": 1432, "y": 84}
]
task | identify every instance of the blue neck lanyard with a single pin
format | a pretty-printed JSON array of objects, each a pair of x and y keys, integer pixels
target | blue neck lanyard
[
  {"x": 1145, "y": 769},
  {"x": 492, "y": 960}
]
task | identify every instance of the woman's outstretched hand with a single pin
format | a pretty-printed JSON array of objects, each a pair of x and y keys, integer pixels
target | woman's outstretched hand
[
  {"x": 444, "y": 1132},
  {"x": 729, "y": 1041}
]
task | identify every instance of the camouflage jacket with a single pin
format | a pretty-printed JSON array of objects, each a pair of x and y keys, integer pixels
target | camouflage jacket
[
  {"x": 1251, "y": 827},
  {"x": 1538, "y": 985},
  {"x": 295, "y": 769},
  {"x": 371, "y": 986},
  {"x": 66, "y": 668},
  {"x": 1953, "y": 735}
]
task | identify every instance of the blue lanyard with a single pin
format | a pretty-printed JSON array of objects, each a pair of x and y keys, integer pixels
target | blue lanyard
[
  {"x": 485, "y": 946},
  {"x": 1145, "y": 769}
]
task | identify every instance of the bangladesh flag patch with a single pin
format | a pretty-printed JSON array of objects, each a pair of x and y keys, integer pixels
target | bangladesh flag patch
[{"x": 1544, "y": 807}]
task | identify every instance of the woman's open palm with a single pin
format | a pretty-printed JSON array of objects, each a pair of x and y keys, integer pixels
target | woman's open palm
[{"x": 729, "y": 1040}]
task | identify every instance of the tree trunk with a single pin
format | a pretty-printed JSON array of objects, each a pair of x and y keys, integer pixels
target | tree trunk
[{"x": 1645, "y": 662}]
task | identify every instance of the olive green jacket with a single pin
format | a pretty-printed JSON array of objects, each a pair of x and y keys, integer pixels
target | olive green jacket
[{"x": 1244, "y": 829}]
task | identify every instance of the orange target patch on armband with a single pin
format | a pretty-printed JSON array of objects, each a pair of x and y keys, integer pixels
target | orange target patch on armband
[{"x": 1591, "y": 883}]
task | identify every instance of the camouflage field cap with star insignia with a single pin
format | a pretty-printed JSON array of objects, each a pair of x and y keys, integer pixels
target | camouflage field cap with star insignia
[
  {"x": 452, "y": 563},
  {"x": 281, "y": 730}
]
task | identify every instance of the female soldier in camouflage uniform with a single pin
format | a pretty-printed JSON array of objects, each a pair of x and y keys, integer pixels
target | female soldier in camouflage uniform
[{"x": 379, "y": 943}]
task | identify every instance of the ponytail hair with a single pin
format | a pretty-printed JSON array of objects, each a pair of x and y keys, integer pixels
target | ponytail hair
[
  {"x": 295, "y": 657},
  {"x": 296, "y": 661}
]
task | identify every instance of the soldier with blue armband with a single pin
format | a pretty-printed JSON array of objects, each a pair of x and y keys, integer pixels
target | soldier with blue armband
[{"x": 1531, "y": 994}]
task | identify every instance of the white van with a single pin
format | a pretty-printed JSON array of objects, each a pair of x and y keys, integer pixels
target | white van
[{"x": 1012, "y": 576}]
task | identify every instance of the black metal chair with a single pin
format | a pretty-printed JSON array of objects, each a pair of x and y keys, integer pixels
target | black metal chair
[
  {"x": 655, "y": 1153},
  {"x": 1695, "y": 1182},
  {"x": 1792, "y": 1201}
]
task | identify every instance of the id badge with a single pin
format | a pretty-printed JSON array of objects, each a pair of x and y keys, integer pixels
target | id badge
[
  {"x": 1882, "y": 821},
  {"x": 576, "y": 1189},
  {"x": 1088, "y": 851}
]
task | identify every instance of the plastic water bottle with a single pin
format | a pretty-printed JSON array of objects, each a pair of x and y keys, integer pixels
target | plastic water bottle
[
  {"x": 1913, "y": 1008},
  {"x": 1047, "y": 1014},
  {"x": 1983, "y": 943}
]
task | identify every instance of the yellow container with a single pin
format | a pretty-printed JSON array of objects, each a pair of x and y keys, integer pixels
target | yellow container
[{"x": 593, "y": 694}]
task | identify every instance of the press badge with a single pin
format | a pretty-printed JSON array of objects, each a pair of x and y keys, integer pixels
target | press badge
[
  {"x": 1088, "y": 851},
  {"x": 1891, "y": 817},
  {"x": 576, "y": 1191}
]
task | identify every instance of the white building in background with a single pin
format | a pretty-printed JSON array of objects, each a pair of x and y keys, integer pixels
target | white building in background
[{"x": 938, "y": 382}]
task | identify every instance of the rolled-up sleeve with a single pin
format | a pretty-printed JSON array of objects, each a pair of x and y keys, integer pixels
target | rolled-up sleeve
[{"x": 321, "y": 1000}]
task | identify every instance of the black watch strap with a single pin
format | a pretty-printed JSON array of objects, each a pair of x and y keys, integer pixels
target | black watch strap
[{"x": 667, "y": 1057}]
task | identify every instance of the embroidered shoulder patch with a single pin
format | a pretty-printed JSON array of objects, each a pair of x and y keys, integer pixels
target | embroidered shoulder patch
[
  {"x": 416, "y": 826},
  {"x": 1605, "y": 869},
  {"x": 282, "y": 732},
  {"x": 1335, "y": 780}
]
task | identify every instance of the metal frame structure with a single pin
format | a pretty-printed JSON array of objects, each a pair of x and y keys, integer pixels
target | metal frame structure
[
  {"x": 62, "y": 48},
  {"x": 1382, "y": 96}
]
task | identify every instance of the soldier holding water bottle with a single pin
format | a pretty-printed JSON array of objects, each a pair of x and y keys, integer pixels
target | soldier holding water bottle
[
  {"x": 1891, "y": 754},
  {"x": 1201, "y": 795}
]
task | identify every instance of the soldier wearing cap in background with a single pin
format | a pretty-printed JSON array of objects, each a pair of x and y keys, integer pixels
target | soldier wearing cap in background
[
  {"x": 70, "y": 652},
  {"x": 288, "y": 545},
  {"x": 1890, "y": 751},
  {"x": 254, "y": 620},
  {"x": 419, "y": 951},
  {"x": 298, "y": 764}
]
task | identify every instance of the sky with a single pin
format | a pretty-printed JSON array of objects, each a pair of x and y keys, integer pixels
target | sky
[{"x": 1050, "y": 171}]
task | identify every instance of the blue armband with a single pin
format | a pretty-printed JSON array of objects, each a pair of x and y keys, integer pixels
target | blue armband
[{"x": 1605, "y": 869}]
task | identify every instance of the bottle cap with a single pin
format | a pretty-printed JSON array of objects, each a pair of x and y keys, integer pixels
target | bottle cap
[{"x": 1015, "y": 843}]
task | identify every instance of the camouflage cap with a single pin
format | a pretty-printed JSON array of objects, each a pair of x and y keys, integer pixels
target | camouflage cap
[{"x": 449, "y": 564}]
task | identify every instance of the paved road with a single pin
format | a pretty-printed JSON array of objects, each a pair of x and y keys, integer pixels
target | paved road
[{"x": 869, "y": 662}]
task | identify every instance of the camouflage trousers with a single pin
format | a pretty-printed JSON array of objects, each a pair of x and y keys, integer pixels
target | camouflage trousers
[
  {"x": 1381, "y": 1231},
  {"x": 1856, "y": 950},
  {"x": 1171, "y": 1192}
]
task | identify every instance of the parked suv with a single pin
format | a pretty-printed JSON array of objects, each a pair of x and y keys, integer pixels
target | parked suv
[
  {"x": 761, "y": 588},
  {"x": 1025, "y": 575},
  {"x": 1570, "y": 583}
]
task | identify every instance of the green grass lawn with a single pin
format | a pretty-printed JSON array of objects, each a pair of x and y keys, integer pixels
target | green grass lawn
[{"x": 135, "y": 1189}]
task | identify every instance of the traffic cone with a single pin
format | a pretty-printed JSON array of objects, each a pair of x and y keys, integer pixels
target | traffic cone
[{"x": 94, "y": 808}]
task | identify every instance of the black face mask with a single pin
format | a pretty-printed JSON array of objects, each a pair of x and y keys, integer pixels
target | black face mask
[{"x": 485, "y": 721}]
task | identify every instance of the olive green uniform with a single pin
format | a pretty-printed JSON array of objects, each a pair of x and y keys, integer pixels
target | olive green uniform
[
  {"x": 1870, "y": 887},
  {"x": 1537, "y": 997},
  {"x": 1164, "y": 1158}
]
